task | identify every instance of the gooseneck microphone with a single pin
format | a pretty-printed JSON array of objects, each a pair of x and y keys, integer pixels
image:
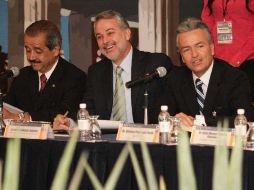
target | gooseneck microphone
[
  {"x": 12, "y": 72},
  {"x": 159, "y": 72}
]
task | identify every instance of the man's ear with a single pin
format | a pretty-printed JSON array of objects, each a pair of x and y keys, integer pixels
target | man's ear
[
  {"x": 212, "y": 48},
  {"x": 127, "y": 33},
  {"x": 56, "y": 50}
]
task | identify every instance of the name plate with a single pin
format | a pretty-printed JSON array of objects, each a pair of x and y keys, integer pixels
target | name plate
[
  {"x": 211, "y": 136},
  {"x": 29, "y": 130},
  {"x": 138, "y": 133}
]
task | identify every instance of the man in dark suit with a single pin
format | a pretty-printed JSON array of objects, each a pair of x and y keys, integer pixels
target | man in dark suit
[
  {"x": 51, "y": 85},
  {"x": 113, "y": 35},
  {"x": 100, "y": 86},
  {"x": 224, "y": 89}
]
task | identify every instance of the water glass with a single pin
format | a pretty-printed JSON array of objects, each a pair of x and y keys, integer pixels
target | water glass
[
  {"x": 250, "y": 136},
  {"x": 173, "y": 136},
  {"x": 95, "y": 127}
]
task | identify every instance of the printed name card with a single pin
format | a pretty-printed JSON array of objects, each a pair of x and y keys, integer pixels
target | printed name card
[
  {"x": 138, "y": 132},
  {"x": 211, "y": 136},
  {"x": 29, "y": 130}
]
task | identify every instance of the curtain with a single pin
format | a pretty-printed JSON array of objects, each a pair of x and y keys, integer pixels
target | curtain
[{"x": 158, "y": 20}]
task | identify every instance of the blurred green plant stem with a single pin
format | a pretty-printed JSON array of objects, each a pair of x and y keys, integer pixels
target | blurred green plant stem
[{"x": 227, "y": 174}]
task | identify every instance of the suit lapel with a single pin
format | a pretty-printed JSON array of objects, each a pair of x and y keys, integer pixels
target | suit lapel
[
  {"x": 34, "y": 88},
  {"x": 213, "y": 88},
  {"x": 189, "y": 94},
  {"x": 107, "y": 85},
  {"x": 34, "y": 84},
  {"x": 55, "y": 76},
  {"x": 137, "y": 70},
  {"x": 52, "y": 82}
]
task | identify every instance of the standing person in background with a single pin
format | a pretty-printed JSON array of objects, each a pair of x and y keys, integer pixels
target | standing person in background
[
  {"x": 232, "y": 25},
  {"x": 50, "y": 85}
]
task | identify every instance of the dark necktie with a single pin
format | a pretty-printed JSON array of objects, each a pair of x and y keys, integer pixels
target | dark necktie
[
  {"x": 43, "y": 79},
  {"x": 119, "y": 104},
  {"x": 200, "y": 95}
]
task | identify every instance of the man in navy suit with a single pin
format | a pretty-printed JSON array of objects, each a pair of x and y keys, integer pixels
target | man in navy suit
[
  {"x": 224, "y": 89},
  {"x": 51, "y": 85},
  {"x": 113, "y": 35}
]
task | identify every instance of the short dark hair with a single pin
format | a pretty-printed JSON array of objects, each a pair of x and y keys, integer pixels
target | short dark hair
[
  {"x": 110, "y": 14},
  {"x": 51, "y": 31},
  {"x": 190, "y": 24}
]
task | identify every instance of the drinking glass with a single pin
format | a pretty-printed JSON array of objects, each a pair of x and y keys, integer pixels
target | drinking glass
[
  {"x": 173, "y": 136},
  {"x": 250, "y": 136},
  {"x": 95, "y": 127}
]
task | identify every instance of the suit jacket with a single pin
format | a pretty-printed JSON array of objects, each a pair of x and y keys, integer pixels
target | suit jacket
[
  {"x": 228, "y": 90},
  {"x": 64, "y": 91},
  {"x": 100, "y": 86}
]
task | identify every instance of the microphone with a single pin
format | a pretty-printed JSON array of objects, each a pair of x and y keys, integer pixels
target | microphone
[
  {"x": 13, "y": 72},
  {"x": 159, "y": 72}
]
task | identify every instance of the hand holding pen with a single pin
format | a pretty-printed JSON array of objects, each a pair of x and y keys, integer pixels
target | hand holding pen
[{"x": 61, "y": 122}]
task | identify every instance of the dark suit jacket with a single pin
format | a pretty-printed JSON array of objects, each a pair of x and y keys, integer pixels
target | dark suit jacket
[
  {"x": 228, "y": 90},
  {"x": 64, "y": 91},
  {"x": 100, "y": 86}
]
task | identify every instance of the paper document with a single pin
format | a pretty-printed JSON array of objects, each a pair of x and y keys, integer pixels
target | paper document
[
  {"x": 11, "y": 108},
  {"x": 108, "y": 124}
]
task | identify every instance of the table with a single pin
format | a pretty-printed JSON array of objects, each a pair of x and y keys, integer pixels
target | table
[{"x": 39, "y": 161}]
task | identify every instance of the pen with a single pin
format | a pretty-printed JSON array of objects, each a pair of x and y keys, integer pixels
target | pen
[{"x": 66, "y": 113}]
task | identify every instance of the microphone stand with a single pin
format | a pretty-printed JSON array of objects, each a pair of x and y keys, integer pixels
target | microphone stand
[
  {"x": 2, "y": 124},
  {"x": 146, "y": 104}
]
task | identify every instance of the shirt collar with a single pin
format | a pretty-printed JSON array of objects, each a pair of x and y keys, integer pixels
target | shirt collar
[
  {"x": 48, "y": 74},
  {"x": 126, "y": 63},
  {"x": 206, "y": 76}
]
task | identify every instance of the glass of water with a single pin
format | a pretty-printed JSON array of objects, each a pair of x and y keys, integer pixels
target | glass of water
[
  {"x": 174, "y": 133},
  {"x": 250, "y": 136},
  {"x": 95, "y": 127}
]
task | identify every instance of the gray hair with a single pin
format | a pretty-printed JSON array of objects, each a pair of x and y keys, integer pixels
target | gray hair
[
  {"x": 51, "y": 31},
  {"x": 190, "y": 24},
  {"x": 110, "y": 14}
]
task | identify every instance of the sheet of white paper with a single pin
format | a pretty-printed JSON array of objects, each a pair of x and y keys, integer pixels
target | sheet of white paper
[
  {"x": 12, "y": 108},
  {"x": 108, "y": 124}
]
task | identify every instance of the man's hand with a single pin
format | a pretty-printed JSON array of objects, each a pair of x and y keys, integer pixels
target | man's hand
[
  {"x": 15, "y": 116},
  {"x": 61, "y": 122},
  {"x": 186, "y": 120},
  {"x": 10, "y": 115}
]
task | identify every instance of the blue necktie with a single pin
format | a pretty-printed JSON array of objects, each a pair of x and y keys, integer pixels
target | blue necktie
[{"x": 200, "y": 95}]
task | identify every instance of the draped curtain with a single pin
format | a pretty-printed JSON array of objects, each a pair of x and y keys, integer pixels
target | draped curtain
[{"x": 158, "y": 20}]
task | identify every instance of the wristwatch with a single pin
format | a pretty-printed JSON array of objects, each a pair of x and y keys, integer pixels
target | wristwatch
[{"x": 21, "y": 116}]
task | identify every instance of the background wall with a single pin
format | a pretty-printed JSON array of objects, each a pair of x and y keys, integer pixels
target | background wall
[
  {"x": 76, "y": 27},
  {"x": 190, "y": 8},
  {"x": 4, "y": 25}
]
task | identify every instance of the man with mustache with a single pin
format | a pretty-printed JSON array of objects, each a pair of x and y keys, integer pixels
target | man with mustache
[
  {"x": 50, "y": 85},
  {"x": 113, "y": 35},
  {"x": 206, "y": 86}
]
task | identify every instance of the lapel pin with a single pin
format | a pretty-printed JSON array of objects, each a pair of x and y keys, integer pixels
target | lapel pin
[
  {"x": 53, "y": 85},
  {"x": 214, "y": 113}
]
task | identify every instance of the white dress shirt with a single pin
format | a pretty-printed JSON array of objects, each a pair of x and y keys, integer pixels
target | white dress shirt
[
  {"x": 126, "y": 77},
  {"x": 204, "y": 78},
  {"x": 47, "y": 74}
]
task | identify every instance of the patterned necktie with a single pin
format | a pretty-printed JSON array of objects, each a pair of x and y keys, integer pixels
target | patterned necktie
[
  {"x": 119, "y": 104},
  {"x": 200, "y": 95},
  {"x": 43, "y": 79}
]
